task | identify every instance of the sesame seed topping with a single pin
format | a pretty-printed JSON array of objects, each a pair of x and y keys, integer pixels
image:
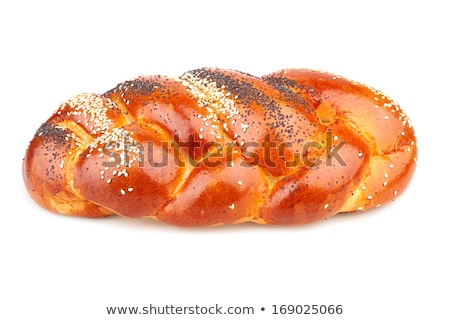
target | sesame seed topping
[
  {"x": 395, "y": 193},
  {"x": 360, "y": 154},
  {"x": 122, "y": 192},
  {"x": 130, "y": 189},
  {"x": 92, "y": 108},
  {"x": 231, "y": 206},
  {"x": 391, "y": 166},
  {"x": 369, "y": 197},
  {"x": 108, "y": 181},
  {"x": 326, "y": 206},
  {"x": 239, "y": 182},
  {"x": 209, "y": 96},
  {"x": 118, "y": 142},
  {"x": 360, "y": 208}
]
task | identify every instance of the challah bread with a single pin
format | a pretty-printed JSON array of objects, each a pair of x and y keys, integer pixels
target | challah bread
[{"x": 218, "y": 146}]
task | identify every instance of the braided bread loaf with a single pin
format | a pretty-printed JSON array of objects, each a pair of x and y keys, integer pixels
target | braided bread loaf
[{"x": 217, "y": 146}]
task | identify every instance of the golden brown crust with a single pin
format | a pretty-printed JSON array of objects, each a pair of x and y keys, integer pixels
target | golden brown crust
[{"x": 218, "y": 146}]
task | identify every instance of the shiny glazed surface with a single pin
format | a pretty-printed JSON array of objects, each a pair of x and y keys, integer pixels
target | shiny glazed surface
[{"x": 218, "y": 146}]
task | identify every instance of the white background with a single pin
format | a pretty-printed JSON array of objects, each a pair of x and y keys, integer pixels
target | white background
[{"x": 387, "y": 263}]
